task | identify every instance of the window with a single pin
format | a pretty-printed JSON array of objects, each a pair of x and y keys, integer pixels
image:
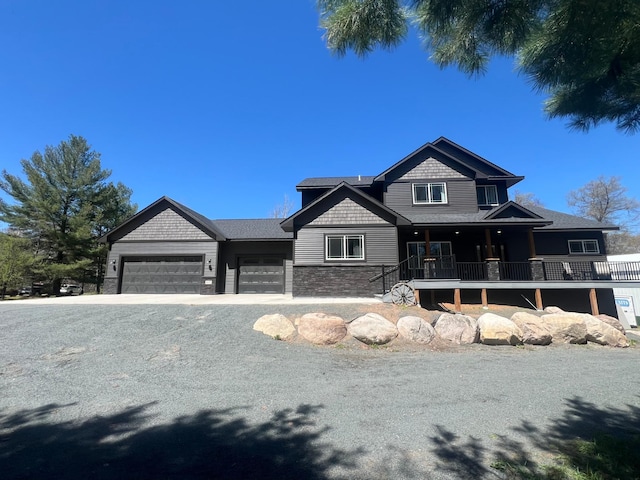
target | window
[
  {"x": 426, "y": 193},
  {"x": 344, "y": 247},
  {"x": 418, "y": 250},
  {"x": 583, "y": 246},
  {"x": 487, "y": 195}
]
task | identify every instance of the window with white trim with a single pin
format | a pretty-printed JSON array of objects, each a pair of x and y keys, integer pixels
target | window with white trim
[
  {"x": 344, "y": 247},
  {"x": 429, "y": 193},
  {"x": 487, "y": 195},
  {"x": 583, "y": 247}
]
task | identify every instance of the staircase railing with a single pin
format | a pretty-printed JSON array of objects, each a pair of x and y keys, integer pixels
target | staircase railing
[{"x": 391, "y": 275}]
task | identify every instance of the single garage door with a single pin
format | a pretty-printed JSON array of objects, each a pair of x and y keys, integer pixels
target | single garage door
[
  {"x": 175, "y": 274},
  {"x": 261, "y": 275}
]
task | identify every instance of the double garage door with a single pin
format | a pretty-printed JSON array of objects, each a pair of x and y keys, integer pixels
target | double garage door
[
  {"x": 183, "y": 274},
  {"x": 175, "y": 274}
]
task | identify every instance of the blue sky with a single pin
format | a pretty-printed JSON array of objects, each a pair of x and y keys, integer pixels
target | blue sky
[{"x": 226, "y": 106}]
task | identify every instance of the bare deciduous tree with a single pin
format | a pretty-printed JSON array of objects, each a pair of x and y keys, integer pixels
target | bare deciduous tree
[
  {"x": 605, "y": 199},
  {"x": 527, "y": 199},
  {"x": 282, "y": 210}
]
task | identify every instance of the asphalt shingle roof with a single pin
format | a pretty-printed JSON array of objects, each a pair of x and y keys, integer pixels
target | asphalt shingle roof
[
  {"x": 563, "y": 221},
  {"x": 252, "y": 229},
  {"x": 330, "y": 182}
]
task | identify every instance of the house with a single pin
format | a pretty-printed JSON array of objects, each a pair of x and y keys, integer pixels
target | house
[{"x": 438, "y": 224}]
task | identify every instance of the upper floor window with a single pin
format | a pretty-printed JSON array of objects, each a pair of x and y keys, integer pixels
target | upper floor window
[
  {"x": 583, "y": 246},
  {"x": 428, "y": 193},
  {"x": 344, "y": 247},
  {"x": 487, "y": 195}
]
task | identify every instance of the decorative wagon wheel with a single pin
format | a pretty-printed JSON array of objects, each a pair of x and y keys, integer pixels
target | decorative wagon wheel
[{"x": 403, "y": 294}]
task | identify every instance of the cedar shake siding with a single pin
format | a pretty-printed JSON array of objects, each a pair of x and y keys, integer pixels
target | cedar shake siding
[
  {"x": 429, "y": 168},
  {"x": 166, "y": 225}
]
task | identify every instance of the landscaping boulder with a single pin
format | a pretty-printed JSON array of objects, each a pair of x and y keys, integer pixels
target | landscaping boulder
[
  {"x": 457, "y": 328},
  {"x": 566, "y": 327},
  {"x": 553, "y": 310},
  {"x": 614, "y": 322},
  {"x": 321, "y": 329},
  {"x": 497, "y": 330},
  {"x": 275, "y": 325},
  {"x": 432, "y": 317},
  {"x": 603, "y": 334},
  {"x": 534, "y": 331},
  {"x": 416, "y": 329},
  {"x": 372, "y": 329}
]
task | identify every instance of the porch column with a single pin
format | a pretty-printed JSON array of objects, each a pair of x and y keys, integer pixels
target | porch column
[
  {"x": 457, "y": 301},
  {"x": 539, "y": 304},
  {"x": 593, "y": 299},
  {"x": 487, "y": 241},
  {"x": 483, "y": 296},
  {"x": 532, "y": 245},
  {"x": 427, "y": 241}
]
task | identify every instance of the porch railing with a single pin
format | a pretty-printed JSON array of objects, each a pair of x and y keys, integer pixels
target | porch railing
[
  {"x": 471, "y": 271},
  {"x": 515, "y": 271},
  {"x": 420, "y": 268}
]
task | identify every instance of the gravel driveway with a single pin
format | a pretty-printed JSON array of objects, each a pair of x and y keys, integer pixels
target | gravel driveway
[{"x": 178, "y": 391}]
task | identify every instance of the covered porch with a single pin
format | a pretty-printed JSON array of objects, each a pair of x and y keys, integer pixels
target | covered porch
[{"x": 501, "y": 257}]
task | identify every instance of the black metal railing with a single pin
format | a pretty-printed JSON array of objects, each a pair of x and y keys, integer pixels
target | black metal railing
[
  {"x": 571, "y": 270},
  {"x": 515, "y": 271},
  {"x": 390, "y": 275},
  {"x": 471, "y": 271},
  {"x": 443, "y": 268}
]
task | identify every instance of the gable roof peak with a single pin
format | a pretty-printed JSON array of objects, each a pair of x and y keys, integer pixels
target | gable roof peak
[
  {"x": 288, "y": 224},
  {"x": 199, "y": 220}
]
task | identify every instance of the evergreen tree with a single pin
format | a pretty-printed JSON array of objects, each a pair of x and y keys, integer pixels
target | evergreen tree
[
  {"x": 585, "y": 54},
  {"x": 62, "y": 207},
  {"x": 16, "y": 259}
]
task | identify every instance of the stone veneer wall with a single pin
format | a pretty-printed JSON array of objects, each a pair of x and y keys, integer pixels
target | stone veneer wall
[
  {"x": 335, "y": 281},
  {"x": 208, "y": 289},
  {"x": 110, "y": 286}
]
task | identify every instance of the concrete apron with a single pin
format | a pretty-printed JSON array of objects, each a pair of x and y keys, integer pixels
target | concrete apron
[{"x": 184, "y": 299}]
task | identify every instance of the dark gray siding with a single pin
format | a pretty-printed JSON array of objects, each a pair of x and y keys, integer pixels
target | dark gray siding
[
  {"x": 231, "y": 251},
  {"x": 381, "y": 244},
  {"x": 549, "y": 243},
  {"x": 461, "y": 196}
]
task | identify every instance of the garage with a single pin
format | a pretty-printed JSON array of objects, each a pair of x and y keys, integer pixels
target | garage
[
  {"x": 261, "y": 275},
  {"x": 170, "y": 274}
]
